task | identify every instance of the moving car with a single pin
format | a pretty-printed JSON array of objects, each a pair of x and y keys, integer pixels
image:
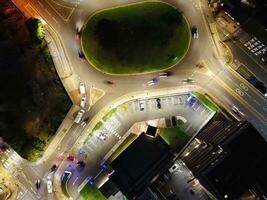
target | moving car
[
  {"x": 164, "y": 74},
  {"x": 49, "y": 186},
  {"x": 78, "y": 34},
  {"x": 79, "y": 116},
  {"x": 109, "y": 83},
  {"x": 188, "y": 80},
  {"x": 194, "y": 32},
  {"x": 238, "y": 113},
  {"x": 152, "y": 82},
  {"x": 37, "y": 183},
  {"x": 81, "y": 55},
  {"x": 82, "y": 88}
]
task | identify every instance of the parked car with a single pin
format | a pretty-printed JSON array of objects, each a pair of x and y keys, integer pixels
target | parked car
[
  {"x": 49, "y": 186},
  {"x": 83, "y": 102},
  {"x": 264, "y": 59},
  {"x": 54, "y": 167},
  {"x": 102, "y": 136},
  {"x": 142, "y": 105},
  {"x": 79, "y": 116},
  {"x": 174, "y": 168},
  {"x": 82, "y": 88},
  {"x": 70, "y": 158},
  {"x": 158, "y": 103}
]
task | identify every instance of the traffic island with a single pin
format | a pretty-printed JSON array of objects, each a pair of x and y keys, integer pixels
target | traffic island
[{"x": 137, "y": 38}]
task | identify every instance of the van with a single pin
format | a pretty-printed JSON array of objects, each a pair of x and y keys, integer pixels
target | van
[
  {"x": 79, "y": 116},
  {"x": 82, "y": 88}
]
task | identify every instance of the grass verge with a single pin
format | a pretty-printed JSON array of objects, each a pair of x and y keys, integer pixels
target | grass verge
[
  {"x": 175, "y": 137},
  {"x": 91, "y": 192},
  {"x": 206, "y": 101}
]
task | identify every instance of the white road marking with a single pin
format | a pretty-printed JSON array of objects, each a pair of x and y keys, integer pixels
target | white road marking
[
  {"x": 75, "y": 180},
  {"x": 256, "y": 101},
  {"x": 54, "y": 19},
  {"x": 40, "y": 3}
]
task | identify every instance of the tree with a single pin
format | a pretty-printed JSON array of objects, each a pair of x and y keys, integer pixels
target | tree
[{"x": 36, "y": 29}]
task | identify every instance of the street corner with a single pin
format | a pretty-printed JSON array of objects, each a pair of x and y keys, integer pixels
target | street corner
[{"x": 95, "y": 94}]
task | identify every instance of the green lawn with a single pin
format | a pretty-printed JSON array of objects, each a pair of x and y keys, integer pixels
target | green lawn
[
  {"x": 175, "y": 137},
  {"x": 206, "y": 101},
  {"x": 91, "y": 193},
  {"x": 137, "y": 38},
  {"x": 122, "y": 147},
  {"x": 109, "y": 114}
]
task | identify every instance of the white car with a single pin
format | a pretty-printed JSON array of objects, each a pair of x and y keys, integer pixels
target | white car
[
  {"x": 83, "y": 102},
  {"x": 163, "y": 74},
  {"x": 102, "y": 136},
  {"x": 142, "y": 105},
  {"x": 49, "y": 186},
  {"x": 174, "y": 168},
  {"x": 79, "y": 116},
  {"x": 82, "y": 88}
]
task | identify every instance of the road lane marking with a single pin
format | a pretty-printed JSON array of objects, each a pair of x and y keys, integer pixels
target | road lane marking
[
  {"x": 256, "y": 101},
  {"x": 54, "y": 19},
  {"x": 244, "y": 103},
  {"x": 75, "y": 180},
  {"x": 48, "y": 12},
  {"x": 40, "y": 3}
]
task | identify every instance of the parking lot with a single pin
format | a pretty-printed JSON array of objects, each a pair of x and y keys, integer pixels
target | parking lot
[{"x": 195, "y": 116}]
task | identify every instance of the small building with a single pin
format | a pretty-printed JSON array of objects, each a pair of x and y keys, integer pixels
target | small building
[{"x": 227, "y": 22}]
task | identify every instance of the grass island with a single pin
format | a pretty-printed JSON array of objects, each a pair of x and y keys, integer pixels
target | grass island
[{"x": 137, "y": 38}]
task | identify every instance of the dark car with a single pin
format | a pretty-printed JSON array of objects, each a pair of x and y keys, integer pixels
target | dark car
[
  {"x": 158, "y": 103},
  {"x": 194, "y": 32},
  {"x": 38, "y": 184},
  {"x": 81, "y": 164},
  {"x": 81, "y": 56},
  {"x": 54, "y": 168}
]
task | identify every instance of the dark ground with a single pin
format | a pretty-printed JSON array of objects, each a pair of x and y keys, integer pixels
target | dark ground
[{"x": 33, "y": 101}]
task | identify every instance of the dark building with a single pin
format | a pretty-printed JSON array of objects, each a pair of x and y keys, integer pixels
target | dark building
[
  {"x": 139, "y": 164},
  {"x": 231, "y": 161}
]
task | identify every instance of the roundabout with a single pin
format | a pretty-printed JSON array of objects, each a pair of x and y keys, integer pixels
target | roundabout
[{"x": 136, "y": 38}]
